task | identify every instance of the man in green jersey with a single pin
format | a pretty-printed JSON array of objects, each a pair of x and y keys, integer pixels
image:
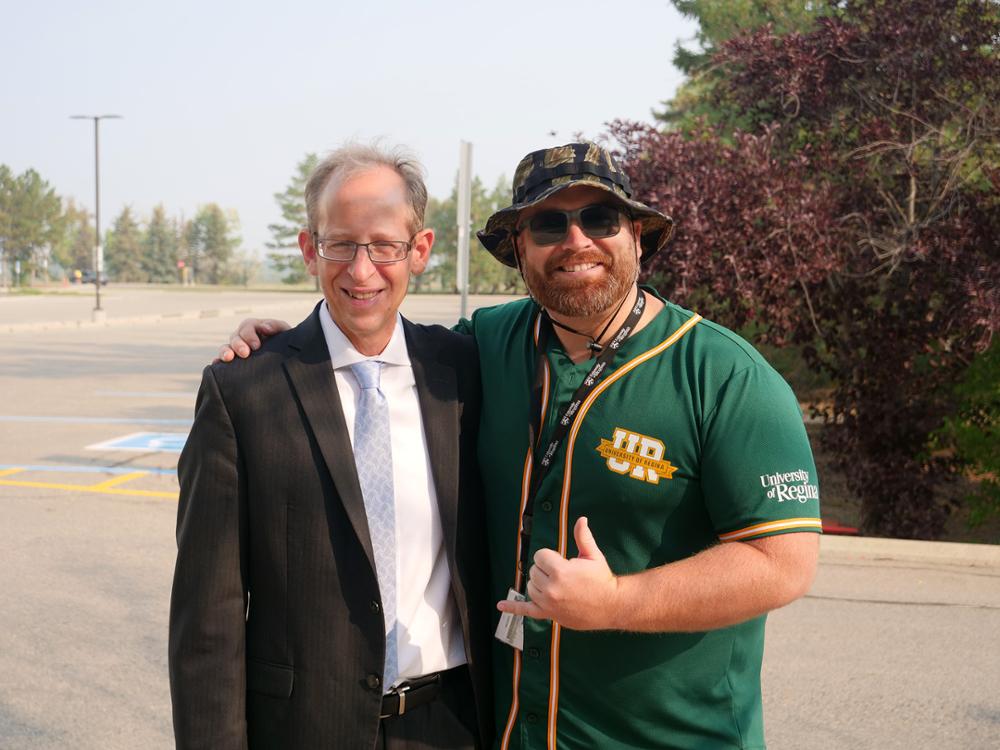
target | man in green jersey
[{"x": 649, "y": 483}]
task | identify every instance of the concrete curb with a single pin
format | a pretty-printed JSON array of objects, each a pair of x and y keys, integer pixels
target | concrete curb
[{"x": 909, "y": 550}]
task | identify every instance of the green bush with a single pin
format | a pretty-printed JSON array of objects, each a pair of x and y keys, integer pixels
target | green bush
[{"x": 973, "y": 433}]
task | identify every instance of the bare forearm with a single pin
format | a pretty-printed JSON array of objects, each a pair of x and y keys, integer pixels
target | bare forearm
[{"x": 723, "y": 585}]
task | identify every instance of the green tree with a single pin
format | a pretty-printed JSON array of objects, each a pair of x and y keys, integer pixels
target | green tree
[
  {"x": 160, "y": 244},
  {"x": 858, "y": 220},
  {"x": 721, "y": 20},
  {"x": 284, "y": 236},
  {"x": 30, "y": 220},
  {"x": 718, "y": 22},
  {"x": 210, "y": 239},
  {"x": 123, "y": 249},
  {"x": 74, "y": 249},
  {"x": 486, "y": 275}
]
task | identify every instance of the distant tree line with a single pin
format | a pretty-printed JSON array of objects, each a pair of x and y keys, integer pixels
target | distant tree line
[
  {"x": 151, "y": 250},
  {"x": 45, "y": 237}
]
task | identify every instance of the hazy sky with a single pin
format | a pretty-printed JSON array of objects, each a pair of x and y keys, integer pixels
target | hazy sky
[{"x": 221, "y": 99}]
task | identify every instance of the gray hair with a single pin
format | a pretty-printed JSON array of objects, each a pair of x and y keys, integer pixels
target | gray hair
[{"x": 355, "y": 158}]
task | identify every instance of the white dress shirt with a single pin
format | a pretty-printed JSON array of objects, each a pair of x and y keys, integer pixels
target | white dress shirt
[{"x": 428, "y": 630}]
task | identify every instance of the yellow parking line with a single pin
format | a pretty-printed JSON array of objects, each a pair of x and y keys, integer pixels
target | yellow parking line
[
  {"x": 118, "y": 480},
  {"x": 88, "y": 488},
  {"x": 8, "y": 472}
]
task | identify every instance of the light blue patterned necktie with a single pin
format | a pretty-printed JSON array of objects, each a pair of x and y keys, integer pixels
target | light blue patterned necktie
[{"x": 373, "y": 458}]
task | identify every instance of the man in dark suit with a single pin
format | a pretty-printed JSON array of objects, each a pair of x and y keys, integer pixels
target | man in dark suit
[{"x": 331, "y": 581}]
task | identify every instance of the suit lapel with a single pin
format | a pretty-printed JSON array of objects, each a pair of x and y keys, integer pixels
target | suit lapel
[
  {"x": 437, "y": 392},
  {"x": 309, "y": 369}
]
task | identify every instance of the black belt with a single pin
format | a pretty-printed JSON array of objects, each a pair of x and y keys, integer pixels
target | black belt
[{"x": 411, "y": 694}]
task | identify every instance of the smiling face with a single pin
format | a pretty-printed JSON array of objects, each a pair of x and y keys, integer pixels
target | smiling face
[
  {"x": 363, "y": 297},
  {"x": 578, "y": 277}
]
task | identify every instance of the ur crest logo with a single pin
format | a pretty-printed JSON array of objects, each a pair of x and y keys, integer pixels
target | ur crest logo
[{"x": 639, "y": 456}]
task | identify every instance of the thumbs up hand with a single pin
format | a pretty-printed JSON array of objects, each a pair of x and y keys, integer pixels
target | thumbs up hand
[{"x": 578, "y": 593}]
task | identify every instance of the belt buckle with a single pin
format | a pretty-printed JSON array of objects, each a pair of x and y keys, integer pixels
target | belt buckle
[{"x": 400, "y": 692}]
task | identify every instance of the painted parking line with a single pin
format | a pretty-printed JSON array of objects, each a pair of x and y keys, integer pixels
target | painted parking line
[
  {"x": 114, "y": 482},
  {"x": 147, "y": 394},
  {"x": 86, "y": 469},
  {"x": 144, "y": 442},
  {"x": 88, "y": 488},
  {"x": 107, "y": 487}
]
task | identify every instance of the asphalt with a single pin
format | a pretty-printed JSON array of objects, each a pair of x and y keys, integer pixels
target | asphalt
[{"x": 895, "y": 646}]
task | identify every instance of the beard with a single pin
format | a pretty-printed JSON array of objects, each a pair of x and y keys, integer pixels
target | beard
[{"x": 583, "y": 298}]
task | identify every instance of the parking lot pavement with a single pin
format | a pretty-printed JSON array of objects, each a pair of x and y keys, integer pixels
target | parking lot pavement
[
  {"x": 86, "y": 528},
  {"x": 73, "y": 307},
  {"x": 895, "y": 647},
  {"x": 92, "y": 418}
]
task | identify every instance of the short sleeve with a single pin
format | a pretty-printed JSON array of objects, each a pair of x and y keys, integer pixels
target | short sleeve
[{"x": 758, "y": 473}]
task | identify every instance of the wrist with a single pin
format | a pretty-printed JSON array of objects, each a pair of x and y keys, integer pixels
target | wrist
[{"x": 617, "y": 605}]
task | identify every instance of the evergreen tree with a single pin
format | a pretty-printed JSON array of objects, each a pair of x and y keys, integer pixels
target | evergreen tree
[
  {"x": 210, "y": 240},
  {"x": 123, "y": 249},
  {"x": 718, "y": 22},
  {"x": 286, "y": 259},
  {"x": 160, "y": 244}
]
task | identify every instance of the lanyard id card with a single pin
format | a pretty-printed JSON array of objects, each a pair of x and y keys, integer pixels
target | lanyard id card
[{"x": 510, "y": 629}]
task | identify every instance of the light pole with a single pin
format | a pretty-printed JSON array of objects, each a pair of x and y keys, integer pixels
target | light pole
[{"x": 98, "y": 250}]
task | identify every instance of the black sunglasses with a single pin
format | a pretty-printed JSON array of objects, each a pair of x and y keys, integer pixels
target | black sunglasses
[{"x": 597, "y": 221}]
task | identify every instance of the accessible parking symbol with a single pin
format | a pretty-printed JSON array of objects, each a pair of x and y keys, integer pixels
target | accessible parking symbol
[{"x": 144, "y": 442}]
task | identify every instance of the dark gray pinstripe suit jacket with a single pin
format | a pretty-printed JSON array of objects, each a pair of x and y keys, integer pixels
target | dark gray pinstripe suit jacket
[{"x": 274, "y": 628}]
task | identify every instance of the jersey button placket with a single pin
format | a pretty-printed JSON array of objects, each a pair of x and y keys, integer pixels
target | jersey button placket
[
  {"x": 534, "y": 689},
  {"x": 534, "y": 683}
]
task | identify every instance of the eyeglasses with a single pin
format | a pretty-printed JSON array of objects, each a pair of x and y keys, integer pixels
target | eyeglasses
[
  {"x": 597, "y": 221},
  {"x": 344, "y": 251}
]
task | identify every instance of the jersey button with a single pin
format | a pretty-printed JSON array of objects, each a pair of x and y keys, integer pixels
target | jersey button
[
  {"x": 533, "y": 653},
  {"x": 373, "y": 681},
  {"x": 375, "y": 606},
  {"x": 546, "y": 506},
  {"x": 532, "y": 718}
]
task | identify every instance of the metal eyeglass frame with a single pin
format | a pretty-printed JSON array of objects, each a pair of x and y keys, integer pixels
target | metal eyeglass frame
[{"x": 318, "y": 244}]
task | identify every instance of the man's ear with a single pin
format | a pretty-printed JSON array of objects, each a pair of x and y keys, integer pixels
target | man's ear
[
  {"x": 637, "y": 235},
  {"x": 420, "y": 250},
  {"x": 308, "y": 252}
]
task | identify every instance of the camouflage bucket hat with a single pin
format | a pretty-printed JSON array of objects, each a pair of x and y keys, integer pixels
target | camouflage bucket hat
[{"x": 543, "y": 173}]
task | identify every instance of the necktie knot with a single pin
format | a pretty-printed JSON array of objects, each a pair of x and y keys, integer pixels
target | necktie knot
[{"x": 367, "y": 373}]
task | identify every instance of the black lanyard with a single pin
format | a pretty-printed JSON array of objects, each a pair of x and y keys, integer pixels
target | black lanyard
[{"x": 567, "y": 416}]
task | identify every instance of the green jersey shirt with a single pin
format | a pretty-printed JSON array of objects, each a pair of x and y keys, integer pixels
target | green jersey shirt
[{"x": 689, "y": 439}]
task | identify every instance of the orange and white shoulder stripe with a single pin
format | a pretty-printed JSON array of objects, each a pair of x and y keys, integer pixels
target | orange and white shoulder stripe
[
  {"x": 525, "y": 486},
  {"x": 610, "y": 380},
  {"x": 771, "y": 527}
]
